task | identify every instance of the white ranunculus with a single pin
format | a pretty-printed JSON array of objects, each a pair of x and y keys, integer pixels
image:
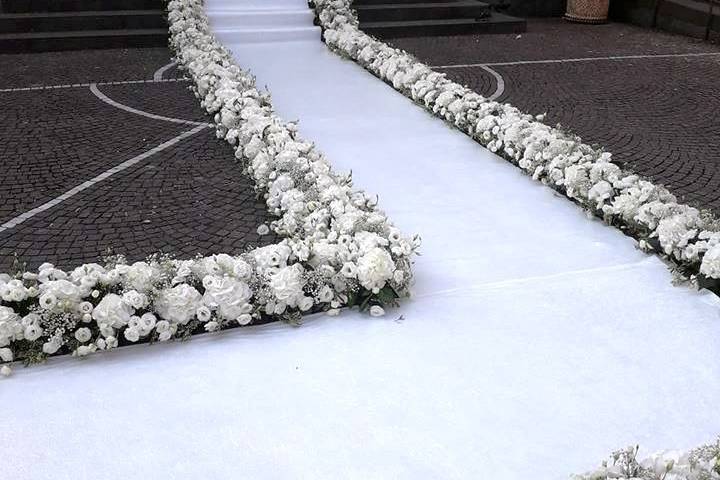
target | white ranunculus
[
  {"x": 375, "y": 268},
  {"x": 112, "y": 311},
  {"x": 83, "y": 334},
  {"x": 135, "y": 299},
  {"x": 85, "y": 307},
  {"x": 132, "y": 334},
  {"x": 178, "y": 304},
  {"x": 203, "y": 313}
]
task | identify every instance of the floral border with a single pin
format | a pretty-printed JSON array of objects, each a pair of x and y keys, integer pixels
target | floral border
[
  {"x": 681, "y": 234},
  {"x": 339, "y": 250},
  {"x": 684, "y": 235}
]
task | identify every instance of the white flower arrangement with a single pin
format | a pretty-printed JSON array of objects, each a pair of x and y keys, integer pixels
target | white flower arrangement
[
  {"x": 339, "y": 250},
  {"x": 650, "y": 213},
  {"x": 702, "y": 463}
]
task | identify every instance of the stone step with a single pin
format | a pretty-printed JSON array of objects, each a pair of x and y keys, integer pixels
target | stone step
[
  {"x": 30, "y": 6},
  {"x": 68, "y": 21},
  {"x": 267, "y": 35},
  {"x": 496, "y": 23},
  {"x": 357, "y": 3},
  {"x": 81, "y": 40},
  {"x": 229, "y": 19},
  {"x": 422, "y": 11},
  {"x": 688, "y": 17}
]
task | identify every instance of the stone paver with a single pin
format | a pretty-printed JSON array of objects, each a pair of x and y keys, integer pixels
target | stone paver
[
  {"x": 58, "y": 68},
  {"x": 191, "y": 198},
  {"x": 658, "y": 116}
]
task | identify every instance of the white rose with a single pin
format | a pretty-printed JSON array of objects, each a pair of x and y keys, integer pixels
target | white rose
[
  {"x": 132, "y": 334},
  {"x": 6, "y": 355},
  {"x": 165, "y": 336},
  {"x": 5, "y": 371},
  {"x": 305, "y": 303},
  {"x": 83, "y": 334},
  {"x": 112, "y": 311},
  {"x": 85, "y": 307},
  {"x": 203, "y": 313},
  {"x": 147, "y": 323},
  {"x": 51, "y": 347},
  {"x": 377, "y": 311},
  {"x": 135, "y": 299},
  {"x": 326, "y": 294},
  {"x": 178, "y": 304},
  {"x": 242, "y": 269},
  {"x": 244, "y": 319}
]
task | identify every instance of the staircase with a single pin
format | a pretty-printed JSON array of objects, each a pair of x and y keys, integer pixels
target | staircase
[
  {"x": 50, "y": 25},
  {"x": 414, "y": 18}
]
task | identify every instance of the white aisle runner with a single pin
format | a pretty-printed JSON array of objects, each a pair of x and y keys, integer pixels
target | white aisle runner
[{"x": 538, "y": 341}]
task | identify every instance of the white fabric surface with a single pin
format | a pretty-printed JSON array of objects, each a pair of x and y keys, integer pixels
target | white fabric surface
[{"x": 538, "y": 340}]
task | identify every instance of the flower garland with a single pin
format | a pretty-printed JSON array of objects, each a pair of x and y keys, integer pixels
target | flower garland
[
  {"x": 688, "y": 237},
  {"x": 685, "y": 236},
  {"x": 338, "y": 249},
  {"x": 702, "y": 463}
]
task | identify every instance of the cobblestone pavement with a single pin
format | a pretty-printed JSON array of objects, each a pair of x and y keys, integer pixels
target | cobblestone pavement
[
  {"x": 657, "y": 115},
  {"x": 188, "y": 197}
]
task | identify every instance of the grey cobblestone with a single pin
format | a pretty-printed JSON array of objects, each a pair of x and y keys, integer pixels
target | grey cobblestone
[
  {"x": 189, "y": 199},
  {"x": 658, "y": 116}
]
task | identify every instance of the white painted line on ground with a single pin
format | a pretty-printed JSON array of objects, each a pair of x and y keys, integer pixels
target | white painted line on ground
[
  {"x": 574, "y": 60},
  {"x": 160, "y": 71},
  {"x": 110, "y": 101},
  {"x": 500, "y": 83},
  {"x": 103, "y": 176},
  {"x": 76, "y": 85}
]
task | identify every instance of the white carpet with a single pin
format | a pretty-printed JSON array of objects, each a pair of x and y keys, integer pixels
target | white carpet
[{"x": 538, "y": 340}]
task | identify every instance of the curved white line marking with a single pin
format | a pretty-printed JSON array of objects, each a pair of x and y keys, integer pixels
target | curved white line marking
[
  {"x": 110, "y": 101},
  {"x": 500, "y": 83},
  {"x": 13, "y": 222},
  {"x": 157, "y": 76},
  {"x": 76, "y": 85},
  {"x": 585, "y": 59}
]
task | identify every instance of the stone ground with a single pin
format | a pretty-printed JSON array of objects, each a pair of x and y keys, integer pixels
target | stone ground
[
  {"x": 188, "y": 198},
  {"x": 658, "y": 115}
]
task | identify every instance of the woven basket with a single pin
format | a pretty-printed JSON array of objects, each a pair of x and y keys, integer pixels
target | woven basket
[{"x": 587, "y": 11}]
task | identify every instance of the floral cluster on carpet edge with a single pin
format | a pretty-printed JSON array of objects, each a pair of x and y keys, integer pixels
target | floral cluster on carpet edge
[
  {"x": 338, "y": 249},
  {"x": 687, "y": 237},
  {"x": 702, "y": 463}
]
